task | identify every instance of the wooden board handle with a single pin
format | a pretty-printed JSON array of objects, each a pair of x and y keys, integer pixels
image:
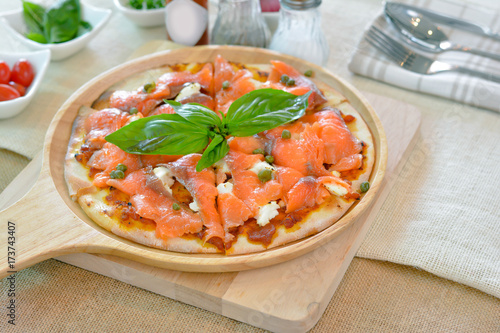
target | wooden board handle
[{"x": 27, "y": 236}]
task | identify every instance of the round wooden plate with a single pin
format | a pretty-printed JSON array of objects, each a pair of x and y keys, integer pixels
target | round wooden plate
[{"x": 48, "y": 223}]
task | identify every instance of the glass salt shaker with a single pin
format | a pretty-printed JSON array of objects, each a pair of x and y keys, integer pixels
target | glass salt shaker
[
  {"x": 299, "y": 31},
  {"x": 240, "y": 22}
]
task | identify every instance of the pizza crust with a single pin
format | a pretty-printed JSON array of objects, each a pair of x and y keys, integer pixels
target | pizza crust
[
  {"x": 91, "y": 199},
  {"x": 94, "y": 205}
]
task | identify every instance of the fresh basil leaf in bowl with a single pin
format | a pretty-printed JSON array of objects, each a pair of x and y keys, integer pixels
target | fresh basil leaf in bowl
[
  {"x": 59, "y": 23},
  {"x": 33, "y": 16},
  {"x": 147, "y": 4}
]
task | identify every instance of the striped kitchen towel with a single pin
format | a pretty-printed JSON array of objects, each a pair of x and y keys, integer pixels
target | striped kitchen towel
[{"x": 463, "y": 88}]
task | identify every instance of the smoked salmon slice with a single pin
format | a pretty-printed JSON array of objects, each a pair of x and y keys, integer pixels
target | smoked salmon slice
[
  {"x": 177, "y": 79},
  {"x": 158, "y": 206},
  {"x": 238, "y": 83},
  {"x": 348, "y": 163},
  {"x": 247, "y": 185},
  {"x": 233, "y": 212},
  {"x": 162, "y": 109},
  {"x": 101, "y": 123},
  {"x": 305, "y": 154},
  {"x": 155, "y": 160},
  {"x": 201, "y": 185},
  {"x": 247, "y": 144},
  {"x": 332, "y": 130},
  {"x": 300, "y": 87},
  {"x": 287, "y": 177},
  {"x": 166, "y": 87},
  {"x": 302, "y": 194},
  {"x": 108, "y": 158},
  {"x": 144, "y": 102},
  {"x": 310, "y": 191}
]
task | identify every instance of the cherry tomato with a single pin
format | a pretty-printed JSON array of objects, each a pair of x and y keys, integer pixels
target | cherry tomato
[
  {"x": 8, "y": 93},
  {"x": 22, "y": 73},
  {"x": 21, "y": 89},
  {"x": 4, "y": 72}
]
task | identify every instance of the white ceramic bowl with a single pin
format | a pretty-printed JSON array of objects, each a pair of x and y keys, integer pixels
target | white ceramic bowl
[
  {"x": 143, "y": 18},
  {"x": 97, "y": 17},
  {"x": 40, "y": 61}
]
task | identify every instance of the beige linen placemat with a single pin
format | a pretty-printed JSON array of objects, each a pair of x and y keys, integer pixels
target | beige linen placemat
[
  {"x": 373, "y": 297},
  {"x": 443, "y": 214}
]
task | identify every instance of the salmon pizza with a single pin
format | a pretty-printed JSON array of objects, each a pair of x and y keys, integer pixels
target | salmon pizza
[{"x": 219, "y": 157}]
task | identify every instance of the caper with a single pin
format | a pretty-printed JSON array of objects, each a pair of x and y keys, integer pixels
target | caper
[
  {"x": 284, "y": 78},
  {"x": 225, "y": 84},
  {"x": 265, "y": 175},
  {"x": 365, "y": 186},
  {"x": 176, "y": 206},
  {"x": 133, "y": 110},
  {"x": 290, "y": 82},
  {"x": 308, "y": 73},
  {"x": 269, "y": 159},
  {"x": 149, "y": 87},
  {"x": 117, "y": 174},
  {"x": 286, "y": 134},
  {"x": 121, "y": 167},
  {"x": 259, "y": 151}
]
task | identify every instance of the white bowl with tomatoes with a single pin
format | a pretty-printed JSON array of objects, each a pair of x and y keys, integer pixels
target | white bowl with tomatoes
[{"x": 20, "y": 77}]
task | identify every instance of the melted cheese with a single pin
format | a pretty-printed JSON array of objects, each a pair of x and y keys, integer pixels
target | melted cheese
[
  {"x": 267, "y": 212},
  {"x": 259, "y": 166},
  {"x": 189, "y": 90},
  {"x": 336, "y": 189},
  {"x": 166, "y": 176},
  {"x": 225, "y": 188}
]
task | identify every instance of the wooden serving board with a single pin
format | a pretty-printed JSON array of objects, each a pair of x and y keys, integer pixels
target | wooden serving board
[{"x": 287, "y": 297}]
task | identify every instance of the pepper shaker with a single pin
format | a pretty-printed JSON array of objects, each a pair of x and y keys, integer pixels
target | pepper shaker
[
  {"x": 240, "y": 22},
  {"x": 299, "y": 31}
]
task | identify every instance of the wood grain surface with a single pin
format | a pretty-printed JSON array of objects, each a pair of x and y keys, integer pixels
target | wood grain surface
[{"x": 51, "y": 224}]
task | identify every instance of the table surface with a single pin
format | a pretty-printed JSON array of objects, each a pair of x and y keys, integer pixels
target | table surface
[{"x": 373, "y": 296}]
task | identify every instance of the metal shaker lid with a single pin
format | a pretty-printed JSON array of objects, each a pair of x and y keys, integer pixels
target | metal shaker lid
[{"x": 300, "y": 4}]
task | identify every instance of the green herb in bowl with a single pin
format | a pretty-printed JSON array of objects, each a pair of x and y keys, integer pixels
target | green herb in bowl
[
  {"x": 147, "y": 4},
  {"x": 58, "y": 23}
]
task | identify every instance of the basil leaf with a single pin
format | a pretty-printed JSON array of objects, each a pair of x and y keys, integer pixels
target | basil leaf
[
  {"x": 61, "y": 21},
  {"x": 263, "y": 109},
  {"x": 84, "y": 28},
  {"x": 167, "y": 134},
  {"x": 215, "y": 151},
  {"x": 39, "y": 38},
  {"x": 196, "y": 113},
  {"x": 33, "y": 16}
]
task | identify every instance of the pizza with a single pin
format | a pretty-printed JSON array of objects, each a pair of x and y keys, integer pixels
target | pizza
[{"x": 263, "y": 190}]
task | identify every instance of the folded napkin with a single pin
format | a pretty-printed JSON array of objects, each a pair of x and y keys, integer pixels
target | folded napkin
[{"x": 370, "y": 62}]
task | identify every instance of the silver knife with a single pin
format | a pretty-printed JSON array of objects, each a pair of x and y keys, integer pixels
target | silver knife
[{"x": 450, "y": 21}]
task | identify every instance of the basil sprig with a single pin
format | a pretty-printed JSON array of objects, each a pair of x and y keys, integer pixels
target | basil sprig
[
  {"x": 194, "y": 126},
  {"x": 59, "y": 23}
]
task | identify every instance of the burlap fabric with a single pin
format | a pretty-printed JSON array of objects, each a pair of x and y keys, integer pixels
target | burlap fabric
[
  {"x": 11, "y": 165},
  {"x": 374, "y": 296}
]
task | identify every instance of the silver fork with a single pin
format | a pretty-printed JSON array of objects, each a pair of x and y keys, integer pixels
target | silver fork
[{"x": 415, "y": 62}]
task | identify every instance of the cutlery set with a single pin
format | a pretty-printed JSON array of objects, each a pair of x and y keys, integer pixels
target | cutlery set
[{"x": 417, "y": 28}]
